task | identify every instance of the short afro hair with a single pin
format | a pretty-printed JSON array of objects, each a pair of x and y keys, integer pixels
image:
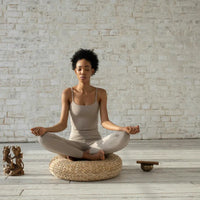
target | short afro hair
[{"x": 87, "y": 54}]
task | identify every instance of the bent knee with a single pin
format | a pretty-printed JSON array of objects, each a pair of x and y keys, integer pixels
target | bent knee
[
  {"x": 122, "y": 141},
  {"x": 44, "y": 139},
  {"x": 125, "y": 137}
]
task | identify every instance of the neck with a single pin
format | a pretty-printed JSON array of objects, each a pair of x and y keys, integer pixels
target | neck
[{"x": 83, "y": 87}]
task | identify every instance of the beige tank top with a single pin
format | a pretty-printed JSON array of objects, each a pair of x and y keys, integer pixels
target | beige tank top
[{"x": 84, "y": 121}]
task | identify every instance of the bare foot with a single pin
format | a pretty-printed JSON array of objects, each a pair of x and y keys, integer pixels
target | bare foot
[
  {"x": 73, "y": 158},
  {"x": 97, "y": 156},
  {"x": 70, "y": 158}
]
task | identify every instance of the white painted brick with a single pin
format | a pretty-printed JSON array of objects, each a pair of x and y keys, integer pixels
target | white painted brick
[
  {"x": 12, "y": 2},
  {"x": 9, "y": 121},
  {"x": 12, "y": 20},
  {"x": 3, "y": 139},
  {"x": 145, "y": 106},
  {"x": 155, "y": 106},
  {"x": 13, "y": 101},
  {"x": 136, "y": 112},
  {"x": 114, "y": 32},
  {"x": 133, "y": 120},
  {"x": 156, "y": 124},
  {"x": 175, "y": 118},
  {"x": 17, "y": 139},
  {"x": 12, "y": 7},
  {"x": 5, "y": 127},
  {"x": 165, "y": 118},
  {"x": 31, "y": 139},
  {"x": 9, "y": 133},
  {"x": 141, "y": 68},
  {"x": 151, "y": 74},
  {"x": 174, "y": 112},
  {"x": 15, "y": 114},
  {"x": 21, "y": 133},
  {"x": 151, "y": 133},
  {"x": 171, "y": 124},
  {"x": 14, "y": 13},
  {"x": 136, "y": 106},
  {"x": 155, "y": 118},
  {"x": 155, "y": 112}
]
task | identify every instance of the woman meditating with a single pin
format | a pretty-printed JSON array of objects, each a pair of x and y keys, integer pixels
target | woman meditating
[{"x": 83, "y": 102}]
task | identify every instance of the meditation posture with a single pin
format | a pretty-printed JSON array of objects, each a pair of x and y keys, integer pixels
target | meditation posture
[{"x": 83, "y": 102}]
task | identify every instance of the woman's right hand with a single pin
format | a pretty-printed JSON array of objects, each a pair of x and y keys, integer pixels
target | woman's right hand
[
  {"x": 132, "y": 129},
  {"x": 38, "y": 131}
]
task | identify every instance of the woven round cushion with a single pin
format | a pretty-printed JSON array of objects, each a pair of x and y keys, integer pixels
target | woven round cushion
[{"x": 86, "y": 170}]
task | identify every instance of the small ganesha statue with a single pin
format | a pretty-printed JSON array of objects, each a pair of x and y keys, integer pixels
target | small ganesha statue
[{"x": 14, "y": 165}]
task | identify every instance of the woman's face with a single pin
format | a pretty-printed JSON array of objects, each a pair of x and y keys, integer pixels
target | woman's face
[{"x": 83, "y": 70}]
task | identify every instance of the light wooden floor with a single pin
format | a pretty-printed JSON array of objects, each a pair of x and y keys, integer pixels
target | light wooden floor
[{"x": 177, "y": 176}]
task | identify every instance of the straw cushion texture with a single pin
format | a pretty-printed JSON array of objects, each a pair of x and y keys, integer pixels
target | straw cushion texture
[{"x": 85, "y": 170}]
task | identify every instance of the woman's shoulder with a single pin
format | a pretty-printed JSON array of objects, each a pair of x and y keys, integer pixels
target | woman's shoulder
[
  {"x": 101, "y": 91},
  {"x": 67, "y": 92}
]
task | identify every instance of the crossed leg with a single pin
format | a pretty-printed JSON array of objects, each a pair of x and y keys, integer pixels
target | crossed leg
[
  {"x": 95, "y": 151},
  {"x": 62, "y": 146},
  {"x": 111, "y": 143}
]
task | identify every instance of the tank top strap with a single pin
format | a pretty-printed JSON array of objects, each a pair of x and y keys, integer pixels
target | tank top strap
[
  {"x": 96, "y": 95},
  {"x": 72, "y": 94}
]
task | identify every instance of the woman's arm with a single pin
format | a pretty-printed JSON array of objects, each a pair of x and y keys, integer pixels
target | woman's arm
[
  {"x": 63, "y": 118},
  {"x": 106, "y": 123},
  {"x": 64, "y": 113}
]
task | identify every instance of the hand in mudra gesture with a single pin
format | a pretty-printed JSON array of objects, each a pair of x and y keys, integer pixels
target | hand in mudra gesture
[
  {"x": 38, "y": 131},
  {"x": 132, "y": 129}
]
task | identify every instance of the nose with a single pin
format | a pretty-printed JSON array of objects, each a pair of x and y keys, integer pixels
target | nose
[{"x": 82, "y": 71}]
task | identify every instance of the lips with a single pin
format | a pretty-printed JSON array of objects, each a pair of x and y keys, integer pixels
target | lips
[{"x": 82, "y": 77}]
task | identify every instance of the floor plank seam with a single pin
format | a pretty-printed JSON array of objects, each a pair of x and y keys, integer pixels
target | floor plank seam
[{"x": 21, "y": 192}]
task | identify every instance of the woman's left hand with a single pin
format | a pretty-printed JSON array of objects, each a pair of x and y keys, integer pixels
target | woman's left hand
[{"x": 132, "y": 129}]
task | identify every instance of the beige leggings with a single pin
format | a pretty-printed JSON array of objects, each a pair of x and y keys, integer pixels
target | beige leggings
[{"x": 109, "y": 144}]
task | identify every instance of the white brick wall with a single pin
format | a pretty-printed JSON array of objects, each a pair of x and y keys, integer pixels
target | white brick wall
[{"x": 149, "y": 63}]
